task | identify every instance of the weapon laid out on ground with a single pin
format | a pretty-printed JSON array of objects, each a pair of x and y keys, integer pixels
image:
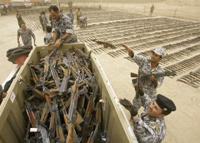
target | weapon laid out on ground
[
  {"x": 62, "y": 103},
  {"x": 105, "y": 44}
]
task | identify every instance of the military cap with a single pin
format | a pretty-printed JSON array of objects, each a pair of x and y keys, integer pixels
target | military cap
[
  {"x": 159, "y": 51},
  {"x": 1, "y": 91},
  {"x": 165, "y": 103}
]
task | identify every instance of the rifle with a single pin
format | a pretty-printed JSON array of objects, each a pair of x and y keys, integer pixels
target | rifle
[
  {"x": 55, "y": 74},
  {"x": 160, "y": 74},
  {"x": 34, "y": 76},
  {"x": 73, "y": 112},
  {"x": 65, "y": 116},
  {"x": 105, "y": 44},
  {"x": 89, "y": 110},
  {"x": 138, "y": 86},
  {"x": 65, "y": 80},
  {"x": 94, "y": 134},
  {"x": 59, "y": 130},
  {"x": 34, "y": 123},
  {"x": 34, "y": 90}
]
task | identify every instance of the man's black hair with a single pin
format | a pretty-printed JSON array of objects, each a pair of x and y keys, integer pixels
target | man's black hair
[
  {"x": 49, "y": 29},
  {"x": 54, "y": 8}
]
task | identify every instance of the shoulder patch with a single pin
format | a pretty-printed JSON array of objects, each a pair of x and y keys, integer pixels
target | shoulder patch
[{"x": 156, "y": 126}]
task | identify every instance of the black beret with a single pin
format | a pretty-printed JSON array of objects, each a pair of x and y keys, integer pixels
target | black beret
[{"x": 165, "y": 103}]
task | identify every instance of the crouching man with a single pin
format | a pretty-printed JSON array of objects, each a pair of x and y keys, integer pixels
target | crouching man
[{"x": 150, "y": 126}]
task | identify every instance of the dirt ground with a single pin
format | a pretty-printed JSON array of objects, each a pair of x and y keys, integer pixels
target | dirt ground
[{"x": 182, "y": 125}]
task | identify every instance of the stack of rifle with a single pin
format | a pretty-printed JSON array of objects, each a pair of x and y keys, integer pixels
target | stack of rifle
[{"x": 63, "y": 100}]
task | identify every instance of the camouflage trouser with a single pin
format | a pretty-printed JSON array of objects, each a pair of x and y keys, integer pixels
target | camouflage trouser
[{"x": 78, "y": 21}]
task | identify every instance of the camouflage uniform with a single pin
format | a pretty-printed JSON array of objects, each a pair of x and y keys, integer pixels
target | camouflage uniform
[
  {"x": 48, "y": 38},
  {"x": 71, "y": 15},
  {"x": 40, "y": 18},
  {"x": 147, "y": 85},
  {"x": 149, "y": 130},
  {"x": 44, "y": 22},
  {"x": 83, "y": 22},
  {"x": 19, "y": 19},
  {"x": 64, "y": 26},
  {"x": 26, "y": 36}
]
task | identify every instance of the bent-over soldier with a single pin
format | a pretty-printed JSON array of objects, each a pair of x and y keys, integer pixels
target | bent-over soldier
[{"x": 63, "y": 31}]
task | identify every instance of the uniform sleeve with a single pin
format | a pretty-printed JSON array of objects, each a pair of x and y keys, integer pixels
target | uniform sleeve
[
  {"x": 139, "y": 59},
  {"x": 69, "y": 26},
  {"x": 32, "y": 34},
  {"x": 160, "y": 81},
  {"x": 144, "y": 132}
]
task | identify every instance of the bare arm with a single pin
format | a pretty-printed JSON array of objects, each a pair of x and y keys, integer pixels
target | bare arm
[{"x": 130, "y": 52}]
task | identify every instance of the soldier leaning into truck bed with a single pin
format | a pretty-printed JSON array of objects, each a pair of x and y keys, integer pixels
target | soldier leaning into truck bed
[
  {"x": 49, "y": 37},
  {"x": 147, "y": 66},
  {"x": 19, "y": 18},
  {"x": 150, "y": 126},
  {"x": 26, "y": 34},
  {"x": 63, "y": 31}
]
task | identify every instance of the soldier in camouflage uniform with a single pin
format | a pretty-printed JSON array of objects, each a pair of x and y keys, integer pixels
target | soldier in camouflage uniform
[
  {"x": 71, "y": 15},
  {"x": 150, "y": 126},
  {"x": 26, "y": 34},
  {"x": 63, "y": 31},
  {"x": 49, "y": 37},
  {"x": 44, "y": 21},
  {"x": 78, "y": 15},
  {"x": 41, "y": 22},
  {"x": 19, "y": 19},
  {"x": 148, "y": 66},
  {"x": 83, "y": 22}
]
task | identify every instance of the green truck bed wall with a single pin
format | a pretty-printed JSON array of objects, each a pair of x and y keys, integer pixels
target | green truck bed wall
[{"x": 12, "y": 114}]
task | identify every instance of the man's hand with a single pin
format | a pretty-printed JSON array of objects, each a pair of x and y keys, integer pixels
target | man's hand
[
  {"x": 19, "y": 45},
  {"x": 52, "y": 43},
  {"x": 154, "y": 80},
  {"x": 58, "y": 43},
  {"x": 127, "y": 104},
  {"x": 130, "y": 52}
]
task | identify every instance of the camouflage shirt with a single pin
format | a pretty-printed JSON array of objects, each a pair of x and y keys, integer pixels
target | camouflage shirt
[
  {"x": 26, "y": 36},
  {"x": 19, "y": 18},
  {"x": 71, "y": 15},
  {"x": 44, "y": 19},
  {"x": 63, "y": 26},
  {"x": 48, "y": 38},
  {"x": 149, "y": 130},
  {"x": 145, "y": 68}
]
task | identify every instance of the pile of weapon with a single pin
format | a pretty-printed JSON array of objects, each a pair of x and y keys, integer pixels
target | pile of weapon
[{"x": 64, "y": 104}]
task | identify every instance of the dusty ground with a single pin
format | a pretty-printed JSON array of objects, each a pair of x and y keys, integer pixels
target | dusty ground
[{"x": 182, "y": 125}]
